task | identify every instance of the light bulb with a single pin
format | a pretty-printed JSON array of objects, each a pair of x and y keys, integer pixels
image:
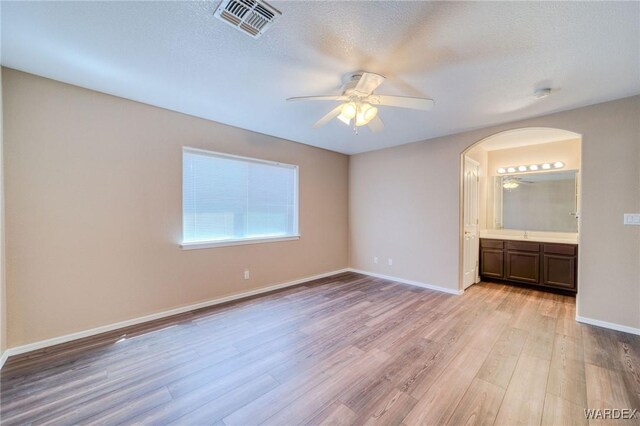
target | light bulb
[
  {"x": 502, "y": 170},
  {"x": 370, "y": 113},
  {"x": 522, "y": 168},
  {"x": 558, "y": 164},
  {"x": 365, "y": 114},
  {"x": 533, "y": 167},
  {"x": 349, "y": 110},
  {"x": 511, "y": 169},
  {"x": 546, "y": 166},
  {"x": 344, "y": 119}
]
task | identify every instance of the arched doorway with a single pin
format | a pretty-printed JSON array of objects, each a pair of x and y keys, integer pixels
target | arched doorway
[{"x": 522, "y": 155}]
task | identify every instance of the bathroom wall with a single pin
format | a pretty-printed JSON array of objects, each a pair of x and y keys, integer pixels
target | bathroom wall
[{"x": 567, "y": 151}]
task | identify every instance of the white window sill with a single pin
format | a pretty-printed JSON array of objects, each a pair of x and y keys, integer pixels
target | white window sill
[{"x": 237, "y": 242}]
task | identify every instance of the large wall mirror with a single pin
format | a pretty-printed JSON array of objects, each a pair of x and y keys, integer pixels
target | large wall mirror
[{"x": 536, "y": 201}]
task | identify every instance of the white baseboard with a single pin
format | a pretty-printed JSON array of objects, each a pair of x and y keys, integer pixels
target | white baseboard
[
  {"x": 3, "y": 358},
  {"x": 410, "y": 282},
  {"x": 105, "y": 328},
  {"x": 609, "y": 325}
]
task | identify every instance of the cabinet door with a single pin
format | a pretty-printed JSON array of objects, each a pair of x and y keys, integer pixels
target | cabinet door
[
  {"x": 523, "y": 267},
  {"x": 492, "y": 263},
  {"x": 559, "y": 271}
]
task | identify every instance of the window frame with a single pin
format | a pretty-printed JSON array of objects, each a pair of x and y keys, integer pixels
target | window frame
[{"x": 191, "y": 245}]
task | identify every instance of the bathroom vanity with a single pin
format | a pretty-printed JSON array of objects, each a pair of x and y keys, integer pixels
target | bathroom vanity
[
  {"x": 546, "y": 254},
  {"x": 545, "y": 262}
]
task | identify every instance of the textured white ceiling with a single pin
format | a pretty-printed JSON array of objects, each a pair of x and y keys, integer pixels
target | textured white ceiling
[{"x": 480, "y": 61}]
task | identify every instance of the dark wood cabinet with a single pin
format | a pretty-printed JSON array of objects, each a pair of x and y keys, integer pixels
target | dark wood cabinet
[
  {"x": 523, "y": 267},
  {"x": 547, "y": 265},
  {"x": 493, "y": 263}
]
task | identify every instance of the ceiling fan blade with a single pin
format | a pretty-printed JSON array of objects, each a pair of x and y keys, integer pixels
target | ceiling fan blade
[
  {"x": 328, "y": 117},
  {"x": 424, "y": 104},
  {"x": 376, "y": 125},
  {"x": 368, "y": 83},
  {"x": 318, "y": 98}
]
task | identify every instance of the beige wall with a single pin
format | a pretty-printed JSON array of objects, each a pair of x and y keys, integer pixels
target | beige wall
[
  {"x": 566, "y": 151},
  {"x": 404, "y": 204},
  {"x": 93, "y": 219},
  {"x": 3, "y": 293}
]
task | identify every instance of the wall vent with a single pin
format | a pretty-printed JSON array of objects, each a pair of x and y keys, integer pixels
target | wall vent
[{"x": 252, "y": 17}]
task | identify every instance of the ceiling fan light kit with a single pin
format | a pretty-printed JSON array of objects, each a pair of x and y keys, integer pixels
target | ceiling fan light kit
[
  {"x": 358, "y": 107},
  {"x": 362, "y": 112}
]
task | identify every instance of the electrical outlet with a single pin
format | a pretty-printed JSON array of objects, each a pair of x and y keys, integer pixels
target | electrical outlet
[
  {"x": 247, "y": 274},
  {"x": 632, "y": 219},
  {"x": 390, "y": 261},
  {"x": 375, "y": 259}
]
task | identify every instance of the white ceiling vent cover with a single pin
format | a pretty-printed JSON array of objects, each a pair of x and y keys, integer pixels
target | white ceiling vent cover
[{"x": 252, "y": 17}]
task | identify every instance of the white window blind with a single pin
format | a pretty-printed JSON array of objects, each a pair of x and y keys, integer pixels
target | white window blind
[{"x": 235, "y": 199}]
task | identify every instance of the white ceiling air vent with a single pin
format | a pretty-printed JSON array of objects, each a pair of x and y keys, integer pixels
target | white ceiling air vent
[{"x": 252, "y": 17}]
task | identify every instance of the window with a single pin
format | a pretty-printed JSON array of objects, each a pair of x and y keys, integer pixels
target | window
[{"x": 228, "y": 200}]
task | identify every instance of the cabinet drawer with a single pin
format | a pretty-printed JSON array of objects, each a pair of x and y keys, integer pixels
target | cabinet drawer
[
  {"x": 493, "y": 244},
  {"x": 523, "y": 246},
  {"x": 565, "y": 249}
]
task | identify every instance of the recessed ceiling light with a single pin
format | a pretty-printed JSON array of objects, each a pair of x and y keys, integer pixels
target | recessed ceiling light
[
  {"x": 522, "y": 168},
  {"x": 511, "y": 169},
  {"x": 533, "y": 167},
  {"x": 546, "y": 166},
  {"x": 502, "y": 170},
  {"x": 558, "y": 164}
]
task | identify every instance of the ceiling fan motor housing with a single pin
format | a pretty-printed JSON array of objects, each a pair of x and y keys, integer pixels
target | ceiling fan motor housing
[{"x": 350, "y": 82}]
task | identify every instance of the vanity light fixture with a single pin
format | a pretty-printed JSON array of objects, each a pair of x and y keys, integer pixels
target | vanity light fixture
[{"x": 532, "y": 167}]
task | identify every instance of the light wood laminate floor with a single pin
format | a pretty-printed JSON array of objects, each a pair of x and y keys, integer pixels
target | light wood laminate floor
[{"x": 348, "y": 349}]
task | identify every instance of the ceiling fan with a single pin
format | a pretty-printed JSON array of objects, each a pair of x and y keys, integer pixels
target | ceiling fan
[
  {"x": 512, "y": 182},
  {"x": 359, "y": 104}
]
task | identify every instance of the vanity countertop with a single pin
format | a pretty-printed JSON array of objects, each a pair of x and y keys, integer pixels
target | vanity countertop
[{"x": 542, "y": 237}]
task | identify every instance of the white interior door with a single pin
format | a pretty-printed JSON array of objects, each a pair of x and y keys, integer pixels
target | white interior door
[{"x": 471, "y": 207}]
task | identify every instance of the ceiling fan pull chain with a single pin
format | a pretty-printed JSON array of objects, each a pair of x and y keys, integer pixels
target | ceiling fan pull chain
[{"x": 355, "y": 119}]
